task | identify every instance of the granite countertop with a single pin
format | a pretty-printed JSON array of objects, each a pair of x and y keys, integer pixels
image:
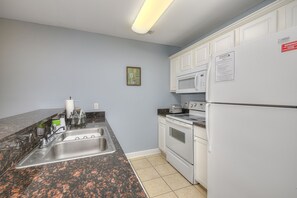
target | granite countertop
[
  {"x": 200, "y": 123},
  {"x": 13, "y": 124},
  {"x": 165, "y": 111},
  {"x": 108, "y": 175}
]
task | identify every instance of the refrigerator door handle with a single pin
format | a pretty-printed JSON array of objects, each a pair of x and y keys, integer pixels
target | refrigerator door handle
[
  {"x": 208, "y": 79},
  {"x": 208, "y": 128}
]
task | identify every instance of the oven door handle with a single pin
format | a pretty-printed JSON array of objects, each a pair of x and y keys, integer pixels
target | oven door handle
[{"x": 178, "y": 123}]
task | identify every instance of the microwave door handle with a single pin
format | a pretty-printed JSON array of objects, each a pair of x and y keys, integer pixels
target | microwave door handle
[{"x": 196, "y": 78}]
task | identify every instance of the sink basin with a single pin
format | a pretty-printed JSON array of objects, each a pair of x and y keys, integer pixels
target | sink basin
[
  {"x": 71, "y": 145},
  {"x": 82, "y": 134},
  {"x": 64, "y": 150}
]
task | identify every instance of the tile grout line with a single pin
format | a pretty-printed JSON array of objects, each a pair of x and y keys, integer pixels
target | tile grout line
[
  {"x": 146, "y": 193},
  {"x": 164, "y": 181},
  {"x": 162, "y": 177}
]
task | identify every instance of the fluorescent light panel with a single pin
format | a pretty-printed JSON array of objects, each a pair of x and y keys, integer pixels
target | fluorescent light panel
[{"x": 149, "y": 15}]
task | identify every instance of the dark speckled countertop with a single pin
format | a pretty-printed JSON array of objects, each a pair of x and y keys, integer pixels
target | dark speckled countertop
[
  {"x": 108, "y": 175},
  {"x": 200, "y": 123},
  {"x": 13, "y": 124}
]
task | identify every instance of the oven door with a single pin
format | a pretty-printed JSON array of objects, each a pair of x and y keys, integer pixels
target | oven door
[{"x": 179, "y": 139}]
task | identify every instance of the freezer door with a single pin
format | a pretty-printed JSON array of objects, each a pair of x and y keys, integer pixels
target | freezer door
[
  {"x": 253, "y": 152},
  {"x": 256, "y": 72}
]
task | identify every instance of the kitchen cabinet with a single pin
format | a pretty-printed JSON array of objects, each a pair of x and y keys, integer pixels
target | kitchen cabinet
[
  {"x": 200, "y": 156},
  {"x": 274, "y": 17},
  {"x": 186, "y": 61},
  {"x": 200, "y": 55},
  {"x": 174, "y": 71},
  {"x": 291, "y": 14},
  {"x": 258, "y": 28},
  {"x": 162, "y": 133},
  {"x": 223, "y": 43}
]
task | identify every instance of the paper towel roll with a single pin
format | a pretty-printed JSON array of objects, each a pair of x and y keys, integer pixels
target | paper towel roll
[{"x": 69, "y": 107}]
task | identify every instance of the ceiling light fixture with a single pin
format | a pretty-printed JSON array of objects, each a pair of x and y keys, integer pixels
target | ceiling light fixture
[{"x": 149, "y": 15}]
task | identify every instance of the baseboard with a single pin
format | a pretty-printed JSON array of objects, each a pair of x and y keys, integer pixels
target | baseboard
[{"x": 143, "y": 153}]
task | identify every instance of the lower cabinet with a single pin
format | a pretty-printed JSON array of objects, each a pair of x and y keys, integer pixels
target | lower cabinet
[
  {"x": 162, "y": 133},
  {"x": 200, "y": 156}
]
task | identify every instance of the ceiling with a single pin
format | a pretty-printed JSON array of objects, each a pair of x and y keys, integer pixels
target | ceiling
[{"x": 184, "y": 21}]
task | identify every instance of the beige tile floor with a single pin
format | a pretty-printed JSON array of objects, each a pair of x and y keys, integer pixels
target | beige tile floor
[{"x": 161, "y": 180}]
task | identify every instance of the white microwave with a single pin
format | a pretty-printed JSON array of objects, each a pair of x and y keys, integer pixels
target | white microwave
[{"x": 191, "y": 83}]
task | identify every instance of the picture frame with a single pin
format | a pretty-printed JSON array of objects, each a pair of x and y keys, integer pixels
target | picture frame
[{"x": 133, "y": 76}]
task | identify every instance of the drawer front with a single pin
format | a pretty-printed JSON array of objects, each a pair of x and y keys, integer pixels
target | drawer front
[{"x": 200, "y": 132}]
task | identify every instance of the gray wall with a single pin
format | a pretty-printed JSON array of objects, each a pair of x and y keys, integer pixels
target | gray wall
[{"x": 41, "y": 66}]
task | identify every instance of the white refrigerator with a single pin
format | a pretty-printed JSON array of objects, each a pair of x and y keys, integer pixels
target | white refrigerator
[{"x": 251, "y": 119}]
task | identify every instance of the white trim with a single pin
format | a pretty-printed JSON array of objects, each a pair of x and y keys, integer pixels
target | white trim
[
  {"x": 143, "y": 153},
  {"x": 261, "y": 12}
]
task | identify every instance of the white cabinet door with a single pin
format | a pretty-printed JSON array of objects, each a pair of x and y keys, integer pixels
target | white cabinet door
[
  {"x": 186, "y": 61},
  {"x": 201, "y": 55},
  {"x": 258, "y": 28},
  {"x": 162, "y": 133},
  {"x": 291, "y": 14},
  {"x": 223, "y": 43},
  {"x": 200, "y": 156},
  {"x": 174, "y": 70},
  {"x": 200, "y": 161}
]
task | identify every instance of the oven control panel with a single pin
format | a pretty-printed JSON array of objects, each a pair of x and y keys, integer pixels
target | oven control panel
[{"x": 196, "y": 105}]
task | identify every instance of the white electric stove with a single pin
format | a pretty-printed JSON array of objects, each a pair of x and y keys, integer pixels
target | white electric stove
[{"x": 180, "y": 138}]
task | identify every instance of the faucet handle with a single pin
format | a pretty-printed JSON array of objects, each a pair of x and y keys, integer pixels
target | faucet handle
[
  {"x": 54, "y": 127},
  {"x": 29, "y": 136}
]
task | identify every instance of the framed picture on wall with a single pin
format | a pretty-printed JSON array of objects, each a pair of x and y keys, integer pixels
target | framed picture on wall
[{"x": 133, "y": 76}]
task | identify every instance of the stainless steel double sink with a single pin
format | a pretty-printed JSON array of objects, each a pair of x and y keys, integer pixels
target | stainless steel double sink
[{"x": 71, "y": 145}]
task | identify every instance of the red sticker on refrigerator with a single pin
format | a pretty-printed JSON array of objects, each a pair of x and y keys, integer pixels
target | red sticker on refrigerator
[{"x": 289, "y": 46}]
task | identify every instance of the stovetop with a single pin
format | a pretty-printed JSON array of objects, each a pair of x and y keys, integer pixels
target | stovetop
[
  {"x": 196, "y": 113},
  {"x": 187, "y": 118}
]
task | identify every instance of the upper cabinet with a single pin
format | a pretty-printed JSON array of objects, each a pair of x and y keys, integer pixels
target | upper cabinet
[
  {"x": 277, "y": 16},
  {"x": 291, "y": 14},
  {"x": 174, "y": 70},
  {"x": 258, "y": 28},
  {"x": 200, "y": 55},
  {"x": 186, "y": 61},
  {"x": 223, "y": 43},
  {"x": 191, "y": 60}
]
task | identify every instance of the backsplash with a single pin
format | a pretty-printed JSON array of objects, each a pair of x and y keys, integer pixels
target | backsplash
[
  {"x": 95, "y": 116},
  {"x": 192, "y": 97}
]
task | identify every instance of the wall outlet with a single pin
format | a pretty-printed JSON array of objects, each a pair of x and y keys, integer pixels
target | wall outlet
[{"x": 96, "y": 105}]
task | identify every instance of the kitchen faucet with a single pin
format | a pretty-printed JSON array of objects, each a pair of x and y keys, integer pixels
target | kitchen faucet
[{"x": 48, "y": 138}]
